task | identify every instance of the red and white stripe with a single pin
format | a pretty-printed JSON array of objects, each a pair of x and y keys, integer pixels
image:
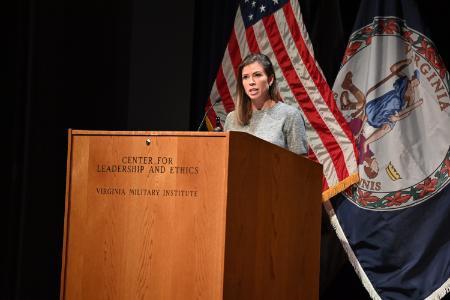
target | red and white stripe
[{"x": 282, "y": 36}]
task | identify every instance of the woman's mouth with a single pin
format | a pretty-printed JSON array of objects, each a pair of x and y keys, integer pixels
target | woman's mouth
[{"x": 252, "y": 91}]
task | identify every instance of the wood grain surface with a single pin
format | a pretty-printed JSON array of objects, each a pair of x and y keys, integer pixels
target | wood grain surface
[{"x": 189, "y": 216}]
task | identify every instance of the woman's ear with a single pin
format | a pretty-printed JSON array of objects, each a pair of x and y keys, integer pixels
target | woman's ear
[{"x": 271, "y": 80}]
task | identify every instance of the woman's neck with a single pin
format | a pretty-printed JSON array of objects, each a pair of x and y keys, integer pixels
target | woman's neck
[{"x": 263, "y": 105}]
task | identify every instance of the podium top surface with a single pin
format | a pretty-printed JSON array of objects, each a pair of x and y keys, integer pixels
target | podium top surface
[{"x": 147, "y": 133}]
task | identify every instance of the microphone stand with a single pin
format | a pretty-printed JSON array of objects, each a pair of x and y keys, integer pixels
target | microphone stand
[{"x": 206, "y": 113}]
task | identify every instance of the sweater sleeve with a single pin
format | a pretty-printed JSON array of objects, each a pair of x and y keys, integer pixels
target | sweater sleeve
[
  {"x": 229, "y": 121},
  {"x": 295, "y": 133}
]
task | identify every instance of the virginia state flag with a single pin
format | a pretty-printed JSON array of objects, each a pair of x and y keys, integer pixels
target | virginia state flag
[{"x": 393, "y": 90}]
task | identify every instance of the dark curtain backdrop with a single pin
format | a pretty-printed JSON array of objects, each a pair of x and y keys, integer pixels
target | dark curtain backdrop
[{"x": 119, "y": 65}]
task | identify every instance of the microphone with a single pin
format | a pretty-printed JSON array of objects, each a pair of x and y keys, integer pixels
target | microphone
[
  {"x": 218, "y": 127},
  {"x": 206, "y": 113}
]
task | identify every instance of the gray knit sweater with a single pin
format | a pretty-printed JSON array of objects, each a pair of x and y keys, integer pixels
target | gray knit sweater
[{"x": 282, "y": 125}]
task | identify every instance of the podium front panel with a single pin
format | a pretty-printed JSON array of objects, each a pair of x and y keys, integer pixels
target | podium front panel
[{"x": 145, "y": 216}]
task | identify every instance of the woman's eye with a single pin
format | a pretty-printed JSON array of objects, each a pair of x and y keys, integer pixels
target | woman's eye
[{"x": 244, "y": 77}]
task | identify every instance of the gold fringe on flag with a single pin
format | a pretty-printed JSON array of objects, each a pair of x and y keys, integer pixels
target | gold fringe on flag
[{"x": 340, "y": 187}]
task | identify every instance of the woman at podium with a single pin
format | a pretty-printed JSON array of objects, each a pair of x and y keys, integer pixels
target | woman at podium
[{"x": 259, "y": 110}]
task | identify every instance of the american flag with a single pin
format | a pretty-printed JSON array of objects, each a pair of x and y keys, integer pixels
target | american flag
[{"x": 275, "y": 28}]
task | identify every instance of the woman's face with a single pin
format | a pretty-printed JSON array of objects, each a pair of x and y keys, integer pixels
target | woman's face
[{"x": 255, "y": 82}]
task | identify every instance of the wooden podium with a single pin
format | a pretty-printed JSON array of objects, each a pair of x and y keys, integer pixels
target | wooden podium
[{"x": 189, "y": 215}]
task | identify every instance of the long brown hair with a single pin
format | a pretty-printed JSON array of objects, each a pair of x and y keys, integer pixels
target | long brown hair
[{"x": 244, "y": 106}]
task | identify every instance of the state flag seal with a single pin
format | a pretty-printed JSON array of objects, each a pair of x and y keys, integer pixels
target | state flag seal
[{"x": 399, "y": 114}]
